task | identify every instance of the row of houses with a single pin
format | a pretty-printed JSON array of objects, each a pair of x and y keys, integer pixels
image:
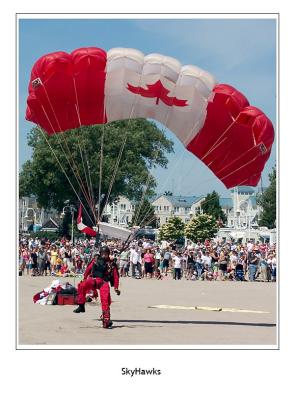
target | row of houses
[{"x": 240, "y": 208}]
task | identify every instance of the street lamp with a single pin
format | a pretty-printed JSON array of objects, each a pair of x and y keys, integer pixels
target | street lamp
[{"x": 71, "y": 210}]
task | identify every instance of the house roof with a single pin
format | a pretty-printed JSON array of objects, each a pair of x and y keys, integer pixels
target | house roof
[
  {"x": 50, "y": 224},
  {"x": 227, "y": 202},
  {"x": 181, "y": 201},
  {"x": 244, "y": 189}
]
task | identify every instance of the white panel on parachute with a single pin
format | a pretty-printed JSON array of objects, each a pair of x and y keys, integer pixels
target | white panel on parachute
[{"x": 157, "y": 87}]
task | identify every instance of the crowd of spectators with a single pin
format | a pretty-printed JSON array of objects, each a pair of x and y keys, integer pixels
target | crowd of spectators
[{"x": 146, "y": 259}]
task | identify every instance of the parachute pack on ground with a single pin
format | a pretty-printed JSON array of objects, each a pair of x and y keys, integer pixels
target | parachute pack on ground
[{"x": 213, "y": 121}]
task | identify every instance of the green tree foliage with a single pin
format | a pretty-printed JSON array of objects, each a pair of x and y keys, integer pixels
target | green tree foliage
[
  {"x": 201, "y": 227},
  {"x": 267, "y": 200},
  {"x": 144, "y": 214},
  {"x": 172, "y": 230},
  {"x": 168, "y": 193},
  {"x": 211, "y": 206},
  {"x": 78, "y": 151}
]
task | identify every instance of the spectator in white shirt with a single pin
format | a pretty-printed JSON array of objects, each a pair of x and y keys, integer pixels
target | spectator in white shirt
[
  {"x": 177, "y": 266},
  {"x": 207, "y": 260},
  {"x": 135, "y": 259}
]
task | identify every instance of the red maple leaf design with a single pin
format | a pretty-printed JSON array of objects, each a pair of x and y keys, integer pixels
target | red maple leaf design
[{"x": 158, "y": 91}]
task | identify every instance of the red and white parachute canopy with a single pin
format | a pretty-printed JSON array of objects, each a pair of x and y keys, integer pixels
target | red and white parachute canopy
[{"x": 214, "y": 121}]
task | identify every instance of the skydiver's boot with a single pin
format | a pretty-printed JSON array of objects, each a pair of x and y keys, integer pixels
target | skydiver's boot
[
  {"x": 80, "y": 308},
  {"x": 106, "y": 322}
]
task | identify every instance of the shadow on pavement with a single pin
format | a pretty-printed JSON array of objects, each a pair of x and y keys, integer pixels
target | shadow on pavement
[{"x": 197, "y": 322}]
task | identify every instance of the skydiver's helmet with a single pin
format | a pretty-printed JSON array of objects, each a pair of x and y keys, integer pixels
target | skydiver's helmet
[{"x": 105, "y": 251}]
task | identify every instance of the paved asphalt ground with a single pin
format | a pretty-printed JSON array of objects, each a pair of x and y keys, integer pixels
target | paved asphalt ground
[{"x": 137, "y": 324}]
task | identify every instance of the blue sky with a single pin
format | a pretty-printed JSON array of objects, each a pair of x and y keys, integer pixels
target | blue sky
[{"x": 240, "y": 52}]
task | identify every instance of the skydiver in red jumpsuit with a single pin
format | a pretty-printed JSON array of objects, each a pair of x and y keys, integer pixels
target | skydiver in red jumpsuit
[{"x": 102, "y": 270}]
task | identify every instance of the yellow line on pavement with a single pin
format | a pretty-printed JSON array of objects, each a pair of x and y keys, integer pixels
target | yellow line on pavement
[{"x": 205, "y": 308}]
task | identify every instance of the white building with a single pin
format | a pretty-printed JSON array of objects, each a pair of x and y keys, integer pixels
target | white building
[
  {"x": 183, "y": 207},
  {"x": 120, "y": 212},
  {"x": 243, "y": 214},
  {"x": 240, "y": 208},
  {"x": 31, "y": 215}
]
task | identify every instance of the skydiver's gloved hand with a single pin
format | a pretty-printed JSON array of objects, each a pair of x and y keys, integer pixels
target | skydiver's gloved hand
[{"x": 118, "y": 292}]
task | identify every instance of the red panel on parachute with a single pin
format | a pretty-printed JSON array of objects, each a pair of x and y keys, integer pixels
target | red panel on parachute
[
  {"x": 67, "y": 90},
  {"x": 235, "y": 141},
  {"x": 89, "y": 72}
]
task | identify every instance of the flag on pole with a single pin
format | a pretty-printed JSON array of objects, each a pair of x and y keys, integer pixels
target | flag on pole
[{"x": 82, "y": 227}]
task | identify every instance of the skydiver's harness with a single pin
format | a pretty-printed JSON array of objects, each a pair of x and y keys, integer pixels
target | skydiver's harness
[{"x": 104, "y": 270}]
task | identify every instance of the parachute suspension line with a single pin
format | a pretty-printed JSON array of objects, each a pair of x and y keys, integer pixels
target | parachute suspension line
[
  {"x": 174, "y": 168},
  {"x": 75, "y": 168},
  {"x": 180, "y": 158},
  {"x": 63, "y": 170},
  {"x": 218, "y": 142},
  {"x": 136, "y": 217},
  {"x": 149, "y": 208},
  {"x": 99, "y": 214},
  {"x": 214, "y": 178},
  {"x": 236, "y": 159},
  {"x": 203, "y": 203},
  {"x": 69, "y": 152},
  {"x": 217, "y": 195},
  {"x": 244, "y": 165},
  {"x": 85, "y": 173},
  {"x": 115, "y": 171},
  {"x": 207, "y": 201},
  {"x": 79, "y": 181},
  {"x": 91, "y": 191},
  {"x": 120, "y": 152},
  {"x": 89, "y": 184},
  {"x": 52, "y": 108}
]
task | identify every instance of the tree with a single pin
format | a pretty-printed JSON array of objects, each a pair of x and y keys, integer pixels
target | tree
[
  {"x": 144, "y": 214},
  {"x": 211, "y": 206},
  {"x": 79, "y": 153},
  {"x": 172, "y": 230},
  {"x": 267, "y": 200},
  {"x": 168, "y": 193},
  {"x": 201, "y": 227}
]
